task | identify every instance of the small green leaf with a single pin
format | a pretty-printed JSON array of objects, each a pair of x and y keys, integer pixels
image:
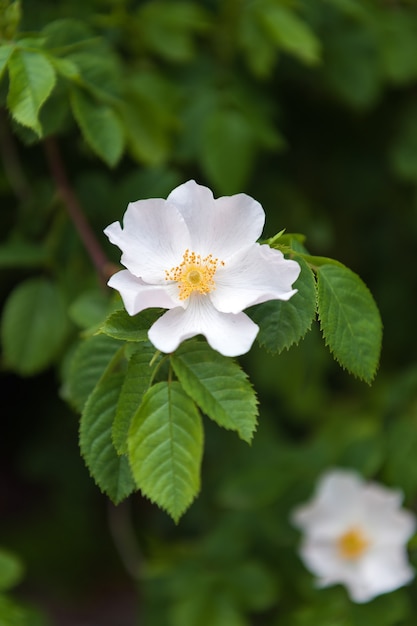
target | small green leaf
[
  {"x": 121, "y": 325},
  {"x": 283, "y": 324},
  {"x": 136, "y": 383},
  {"x": 88, "y": 364},
  {"x": 100, "y": 126},
  {"x": 218, "y": 385},
  {"x": 11, "y": 570},
  {"x": 32, "y": 78},
  {"x": 349, "y": 320},
  {"x": 22, "y": 254},
  {"x": 90, "y": 308},
  {"x": 227, "y": 133},
  {"x": 34, "y": 326},
  {"x": 110, "y": 471},
  {"x": 290, "y": 32},
  {"x": 5, "y": 53},
  {"x": 166, "y": 447}
]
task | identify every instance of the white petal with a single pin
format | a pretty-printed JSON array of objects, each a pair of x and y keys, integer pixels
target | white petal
[
  {"x": 229, "y": 334},
  {"x": 334, "y": 506},
  {"x": 138, "y": 295},
  {"x": 153, "y": 239},
  {"x": 219, "y": 227},
  {"x": 257, "y": 275},
  {"x": 380, "y": 572}
]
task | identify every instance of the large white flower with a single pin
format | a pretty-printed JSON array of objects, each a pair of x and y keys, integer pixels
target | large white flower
[
  {"x": 198, "y": 257},
  {"x": 355, "y": 533}
]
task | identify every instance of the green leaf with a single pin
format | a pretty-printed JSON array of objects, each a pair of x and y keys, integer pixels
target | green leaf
[
  {"x": 88, "y": 364},
  {"x": 349, "y": 320},
  {"x": 290, "y": 32},
  {"x": 5, "y": 53},
  {"x": 33, "y": 326},
  {"x": 110, "y": 471},
  {"x": 167, "y": 28},
  {"x": 137, "y": 381},
  {"x": 227, "y": 133},
  {"x": 218, "y": 385},
  {"x": 283, "y": 324},
  {"x": 32, "y": 78},
  {"x": 166, "y": 447},
  {"x": 89, "y": 308},
  {"x": 121, "y": 325},
  {"x": 22, "y": 254},
  {"x": 11, "y": 570},
  {"x": 100, "y": 126}
]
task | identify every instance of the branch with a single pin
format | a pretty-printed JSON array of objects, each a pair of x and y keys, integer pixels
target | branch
[{"x": 103, "y": 266}]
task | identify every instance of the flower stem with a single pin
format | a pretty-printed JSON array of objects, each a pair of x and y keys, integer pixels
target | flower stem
[{"x": 56, "y": 165}]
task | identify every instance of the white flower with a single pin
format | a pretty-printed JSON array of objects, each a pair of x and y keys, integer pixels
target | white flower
[
  {"x": 198, "y": 257},
  {"x": 355, "y": 533}
]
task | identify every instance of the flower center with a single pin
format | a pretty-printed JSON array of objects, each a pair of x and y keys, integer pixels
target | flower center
[
  {"x": 194, "y": 273},
  {"x": 352, "y": 544}
]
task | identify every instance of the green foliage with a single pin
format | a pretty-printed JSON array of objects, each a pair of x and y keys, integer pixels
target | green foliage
[
  {"x": 110, "y": 471},
  {"x": 33, "y": 326},
  {"x": 349, "y": 320},
  {"x": 135, "y": 384},
  {"x": 166, "y": 447},
  {"x": 283, "y": 324},
  {"x": 32, "y": 78},
  {"x": 11, "y": 570},
  {"x": 100, "y": 125},
  {"x": 121, "y": 325},
  {"x": 218, "y": 386},
  {"x": 310, "y": 108}
]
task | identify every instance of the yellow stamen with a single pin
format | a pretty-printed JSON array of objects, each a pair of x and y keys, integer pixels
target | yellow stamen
[
  {"x": 352, "y": 544},
  {"x": 194, "y": 274}
]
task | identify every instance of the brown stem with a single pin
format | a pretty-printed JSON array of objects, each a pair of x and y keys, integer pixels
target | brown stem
[{"x": 56, "y": 165}]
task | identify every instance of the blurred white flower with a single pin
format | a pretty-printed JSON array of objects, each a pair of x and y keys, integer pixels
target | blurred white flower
[
  {"x": 355, "y": 533},
  {"x": 198, "y": 257}
]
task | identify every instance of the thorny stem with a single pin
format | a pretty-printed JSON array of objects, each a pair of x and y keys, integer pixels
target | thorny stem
[
  {"x": 56, "y": 165},
  {"x": 11, "y": 161}
]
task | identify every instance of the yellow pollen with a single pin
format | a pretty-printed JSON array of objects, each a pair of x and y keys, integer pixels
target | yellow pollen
[
  {"x": 352, "y": 544},
  {"x": 194, "y": 274}
]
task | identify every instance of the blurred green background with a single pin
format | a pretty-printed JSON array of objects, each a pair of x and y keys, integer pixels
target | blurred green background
[{"x": 310, "y": 106}]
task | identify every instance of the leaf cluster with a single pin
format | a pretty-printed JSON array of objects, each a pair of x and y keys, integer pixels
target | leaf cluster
[{"x": 142, "y": 430}]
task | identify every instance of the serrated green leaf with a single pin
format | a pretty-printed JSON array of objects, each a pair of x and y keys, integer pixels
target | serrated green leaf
[
  {"x": 32, "y": 78},
  {"x": 100, "y": 126},
  {"x": 166, "y": 446},
  {"x": 283, "y": 324},
  {"x": 218, "y": 385},
  {"x": 110, "y": 471},
  {"x": 11, "y": 570},
  {"x": 290, "y": 32},
  {"x": 65, "y": 67},
  {"x": 33, "y": 326},
  {"x": 5, "y": 52},
  {"x": 88, "y": 364},
  {"x": 350, "y": 320},
  {"x": 136, "y": 383},
  {"x": 121, "y": 325}
]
